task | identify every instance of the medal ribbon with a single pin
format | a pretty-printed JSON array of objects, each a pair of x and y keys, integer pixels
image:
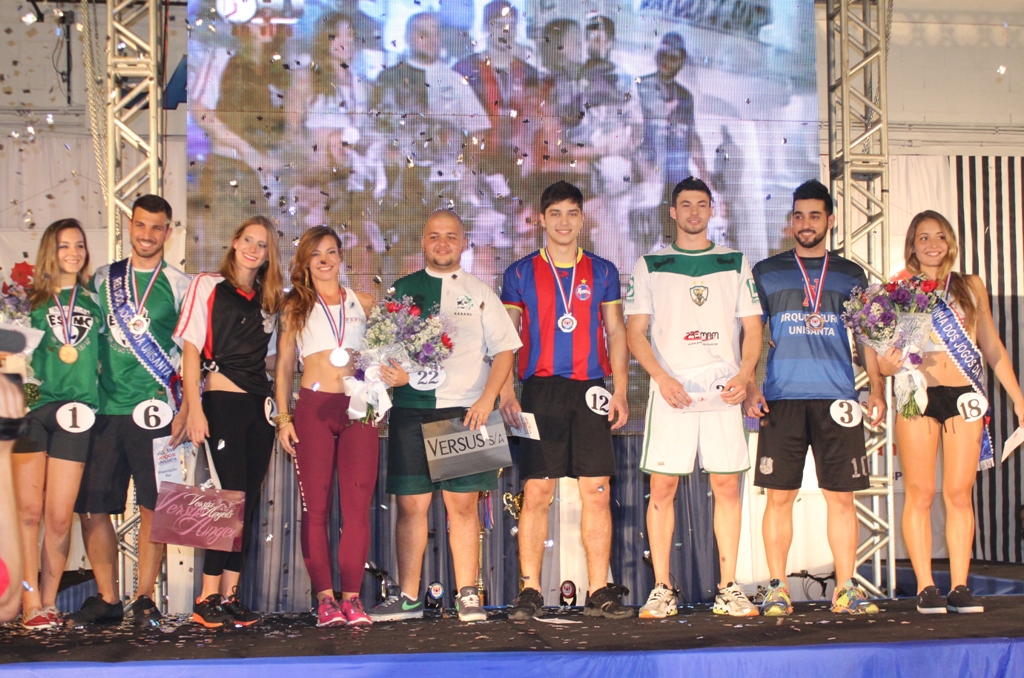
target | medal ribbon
[
  {"x": 811, "y": 297},
  {"x": 339, "y": 336},
  {"x": 566, "y": 299},
  {"x": 65, "y": 319},
  {"x": 140, "y": 305}
]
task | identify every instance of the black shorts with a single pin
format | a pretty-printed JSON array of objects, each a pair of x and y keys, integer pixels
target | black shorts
[
  {"x": 942, "y": 402},
  {"x": 121, "y": 451},
  {"x": 408, "y": 472},
  {"x": 46, "y": 435},
  {"x": 574, "y": 441},
  {"x": 789, "y": 427}
]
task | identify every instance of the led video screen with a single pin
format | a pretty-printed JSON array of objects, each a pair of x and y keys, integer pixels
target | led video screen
[{"x": 367, "y": 115}]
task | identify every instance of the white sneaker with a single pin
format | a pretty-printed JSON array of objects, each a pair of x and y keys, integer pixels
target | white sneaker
[
  {"x": 660, "y": 604},
  {"x": 731, "y": 600}
]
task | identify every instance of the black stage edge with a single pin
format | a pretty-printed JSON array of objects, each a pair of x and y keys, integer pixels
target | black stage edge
[{"x": 292, "y": 635}]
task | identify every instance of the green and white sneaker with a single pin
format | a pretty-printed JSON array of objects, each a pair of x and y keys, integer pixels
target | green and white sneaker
[
  {"x": 731, "y": 600},
  {"x": 660, "y": 604},
  {"x": 397, "y": 607}
]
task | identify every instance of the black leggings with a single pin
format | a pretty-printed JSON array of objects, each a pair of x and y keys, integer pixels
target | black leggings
[{"x": 241, "y": 441}]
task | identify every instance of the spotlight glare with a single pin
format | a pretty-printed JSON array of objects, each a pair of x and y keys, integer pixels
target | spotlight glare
[{"x": 29, "y": 19}]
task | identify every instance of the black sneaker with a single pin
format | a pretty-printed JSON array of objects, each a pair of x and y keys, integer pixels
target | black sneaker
[
  {"x": 241, "y": 614},
  {"x": 930, "y": 601},
  {"x": 145, "y": 613},
  {"x": 210, "y": 612},
  {"x": 960, "y": 600},
  {"x": 528, "y": 604},
  {"x": 95, "y": 611},
  {"x": 606, "y": 602}
]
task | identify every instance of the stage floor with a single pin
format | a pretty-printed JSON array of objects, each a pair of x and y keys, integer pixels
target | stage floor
[{"x": 293, "y": 636}]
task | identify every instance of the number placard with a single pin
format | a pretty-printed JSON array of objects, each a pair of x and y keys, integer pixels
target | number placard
[
  {"x": 718, "y": 385},
  {"x": 152, "y": 414},
  {"x": 846, "y": 413},
  {"x": 75, "y": 417},
  {"x": 598, "y": 400},
  {"x": 270, "y": 410},
  {"x": 972, "y": 406},
  {"x": 427, "y": 380}
]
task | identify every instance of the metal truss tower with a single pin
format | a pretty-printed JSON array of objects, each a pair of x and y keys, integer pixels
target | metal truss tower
[
  {"x": 858, "y": 150},
  {"x": 134, "y": 164}
]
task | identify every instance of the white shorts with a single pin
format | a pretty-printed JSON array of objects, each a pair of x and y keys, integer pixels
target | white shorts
[{"x": 674, "y": 438}]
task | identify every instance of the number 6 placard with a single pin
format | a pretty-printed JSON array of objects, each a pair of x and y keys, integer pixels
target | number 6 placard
[
  {"x": 75, "y": 417},
  {"x": 152, "y": 414}
]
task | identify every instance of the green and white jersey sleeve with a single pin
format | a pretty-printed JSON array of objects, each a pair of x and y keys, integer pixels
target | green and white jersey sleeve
[
  {"x": 695, "y": 300},
  {"x": 483, "y": 330},
  {"x": 124, "y": 382}
]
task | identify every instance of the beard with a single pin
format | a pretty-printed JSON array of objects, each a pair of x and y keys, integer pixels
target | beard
[{"x": 809, "y": 242}]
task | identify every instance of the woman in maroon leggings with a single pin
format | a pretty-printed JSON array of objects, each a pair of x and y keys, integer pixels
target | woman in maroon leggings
[{"x": 326, "y": 323}]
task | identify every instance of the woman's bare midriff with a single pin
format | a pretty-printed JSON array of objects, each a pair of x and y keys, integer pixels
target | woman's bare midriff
[
  {"x": 215, "y": 381},
  {"x": 319, "y": 374},
  {"x": 939, "y": 370}
]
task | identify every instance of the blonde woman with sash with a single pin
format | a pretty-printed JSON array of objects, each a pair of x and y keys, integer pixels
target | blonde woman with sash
[{"x": 963, "y": 336}]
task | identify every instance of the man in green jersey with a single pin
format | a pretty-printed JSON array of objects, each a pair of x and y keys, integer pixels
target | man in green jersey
[
  {"x": 140, "y": 298},
  {"x": 466, "y": 387}
]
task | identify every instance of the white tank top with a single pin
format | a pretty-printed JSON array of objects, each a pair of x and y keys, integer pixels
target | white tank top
[{"x": 317, "y": 336}]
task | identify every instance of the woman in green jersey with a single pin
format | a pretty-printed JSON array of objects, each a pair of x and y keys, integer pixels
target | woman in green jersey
[{"x": 50, "y": 458}]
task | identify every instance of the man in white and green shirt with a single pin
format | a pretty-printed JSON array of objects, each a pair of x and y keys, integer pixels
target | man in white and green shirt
[
  {"x": 140, "y": 298},
  {"x": 469, "y": 382},
  {"x": 702, "y": 308}
]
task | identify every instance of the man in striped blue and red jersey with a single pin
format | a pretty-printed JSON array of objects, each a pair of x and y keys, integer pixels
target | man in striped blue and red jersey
[{"x": 567, "y": 303}]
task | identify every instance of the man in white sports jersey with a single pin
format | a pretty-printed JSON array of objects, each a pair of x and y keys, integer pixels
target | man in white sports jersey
[{"x": 699, "y": 300}]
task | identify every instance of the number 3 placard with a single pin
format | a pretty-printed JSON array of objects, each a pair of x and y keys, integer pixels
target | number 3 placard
[
  {"x": 598, "y": 400},
  {"x": 846, "y": 413},
  {"x": 427, "y": 380},
  {"x": 75, "y": 417},
  {"x": 972, "y": 406},
  {"x": 152, "y": 414}
]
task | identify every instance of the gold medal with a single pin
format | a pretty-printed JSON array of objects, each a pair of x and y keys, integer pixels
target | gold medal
[{"x": 68, "y": 354}]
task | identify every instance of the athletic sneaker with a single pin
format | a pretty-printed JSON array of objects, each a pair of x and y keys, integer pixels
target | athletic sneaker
[
  {"x": 731, "y": 600},
  {"x": 145, "y": 613},
  {"x": 851, "y": 599},
  {"x": 396, "y": 607},
  {"x": 210, "y": 612},
  {"x": 329, "y": 614},
  {"x": 527, "y": 605},
  {"x": 660, "y": 604},
  {"x": 37, "y": 621},
  {"x": 354, "y": 612},
  {"x": 53, "y": 615},
  {"x": 467, "y": 603},
  {"x": 240, "y": 614},
  {"x": 95, "y": 611},
  {"x": 960, "y": 600},
  {"x": 930, "y": 601},
  {"x": 607, "y": 602},
  {"x": 777, "y": 602}
]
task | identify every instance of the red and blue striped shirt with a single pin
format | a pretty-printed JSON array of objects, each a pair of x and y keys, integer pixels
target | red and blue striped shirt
[{"x": 529, "y": 285}]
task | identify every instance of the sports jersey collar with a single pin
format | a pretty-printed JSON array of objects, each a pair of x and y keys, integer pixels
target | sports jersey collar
[
  {"x": 681, "y": 250},
  {"x": 579, "y": 256},
  {"x": 436, "y": 274}
]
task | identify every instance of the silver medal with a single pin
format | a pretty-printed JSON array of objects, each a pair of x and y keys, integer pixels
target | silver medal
[
  {"x": 567, "y": 323},
  {"x": 339, "y": 357}
]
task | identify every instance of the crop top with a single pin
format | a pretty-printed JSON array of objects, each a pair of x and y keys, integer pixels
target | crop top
[{"x": 317, "y": 336}]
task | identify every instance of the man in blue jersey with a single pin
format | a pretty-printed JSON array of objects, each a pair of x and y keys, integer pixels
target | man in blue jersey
[{"x": 809, "y": 398}]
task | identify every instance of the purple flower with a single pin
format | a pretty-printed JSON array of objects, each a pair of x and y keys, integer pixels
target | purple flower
[
  {"x": 915, "y": 358},
  {"x": 360, "y": 374},
  {"x": 922, "y": 301},
  {"x": 887, "y": 317},
  {"x": 872, "y": 318},
  {"x": 900, "y": 295},
  {"x": 428, "y": 350}
]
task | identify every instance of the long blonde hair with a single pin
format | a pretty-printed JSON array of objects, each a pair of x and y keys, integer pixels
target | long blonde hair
[
  {"x": 300, "y": 300},
  {"x": 46, "y": 280},
  {"x": 958, "y": 287},
  {"x": 269, "y": 275}
]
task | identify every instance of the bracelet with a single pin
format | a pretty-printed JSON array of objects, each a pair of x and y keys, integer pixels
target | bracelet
[
  {"x": 282, "y": 418},
  {"x": 12, "y": 429}
]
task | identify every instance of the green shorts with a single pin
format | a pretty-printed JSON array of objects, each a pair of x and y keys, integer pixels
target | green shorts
[{"x": 407, "y": 457}]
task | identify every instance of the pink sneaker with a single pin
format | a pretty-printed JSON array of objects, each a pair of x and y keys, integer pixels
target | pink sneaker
[
  {"x": 354, "y": 613},
  {"x": 329, "y": 614},
  {"x": 53, "y": 615}
]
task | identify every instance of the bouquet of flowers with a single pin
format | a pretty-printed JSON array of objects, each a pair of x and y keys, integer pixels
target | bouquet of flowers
[
  {"x": 396, "y": 330},
  {"x": 897, "y": 315},
  {"x": 15, "y": 313}
]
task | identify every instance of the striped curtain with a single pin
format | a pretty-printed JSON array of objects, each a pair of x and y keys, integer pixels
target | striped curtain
[{"x": 990, "y": 220}]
